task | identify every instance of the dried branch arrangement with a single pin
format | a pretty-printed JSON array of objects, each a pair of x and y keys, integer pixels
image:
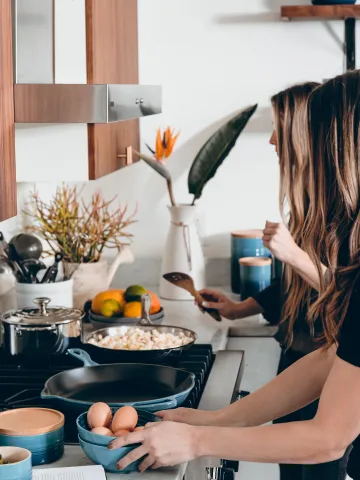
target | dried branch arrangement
[{"x": 78, "y": 230}]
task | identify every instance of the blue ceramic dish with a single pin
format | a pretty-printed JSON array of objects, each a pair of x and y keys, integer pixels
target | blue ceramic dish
[
  {"x": 101, "y": 455},
  {"x": 101, "y": 440},
  {"x": 19, "y": 467},
  {"x": 45, "y": 448},
  {"x": 245, "y": 243},
  {"x": 155, "y": 405},
  {"x": 255, "y": 275},
  {"x": 333, "y": 2}
]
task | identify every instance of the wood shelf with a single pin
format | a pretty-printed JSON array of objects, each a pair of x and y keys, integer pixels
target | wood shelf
[
  {"x": 347, "y": 13},
  {"x": 320, "y": 12}
]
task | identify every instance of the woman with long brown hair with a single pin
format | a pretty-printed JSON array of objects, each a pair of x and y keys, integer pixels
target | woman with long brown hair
[
  {"x": 332, "y": 232},
  {"x": 285, "y": 302}
]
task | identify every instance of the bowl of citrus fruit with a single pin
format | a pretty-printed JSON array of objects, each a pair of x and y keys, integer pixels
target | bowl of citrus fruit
[{"x": 117, "y": 306}]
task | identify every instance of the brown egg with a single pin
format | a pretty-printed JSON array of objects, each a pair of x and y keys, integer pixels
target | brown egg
[
  {"x": 99, "y": 415},
  {"x": 121, "y": 433},
  {"x": 125, "y": 418},
  {"x": 139, "y": 429},
  {"x": 102, "y": 431}
]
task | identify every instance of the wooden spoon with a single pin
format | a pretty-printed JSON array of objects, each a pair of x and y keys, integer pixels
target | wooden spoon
[{"x": 183, "y": 280}]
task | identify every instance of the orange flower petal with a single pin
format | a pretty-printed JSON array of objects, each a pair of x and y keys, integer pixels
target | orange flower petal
[
  {"x": 171, "y": 144},
  {"x": 159, "y": 149}
]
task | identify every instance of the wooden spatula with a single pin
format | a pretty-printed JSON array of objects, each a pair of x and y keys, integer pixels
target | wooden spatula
[{"x": 183, "y": 280}]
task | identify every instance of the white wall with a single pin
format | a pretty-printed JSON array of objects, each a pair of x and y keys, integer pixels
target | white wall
[{"x": 212, "y": 58}]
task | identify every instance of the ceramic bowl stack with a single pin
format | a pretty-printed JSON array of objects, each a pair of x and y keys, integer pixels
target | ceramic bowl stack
[
  {"x": 95, "y": 446},
  {"x": 17, "y": 464},
  {"x": 100, "y": 321},
  {"x": 39, "y": 430}
]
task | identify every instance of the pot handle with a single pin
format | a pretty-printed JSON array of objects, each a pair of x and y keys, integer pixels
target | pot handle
[{"x": 82, "y": 356}]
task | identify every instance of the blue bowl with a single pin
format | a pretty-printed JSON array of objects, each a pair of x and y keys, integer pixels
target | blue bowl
[
  {"x": 101, "y": 455},
  {"x": 101, "y": 440},
  {"x": 20, "y": 467},
  {"x": 100, "y": 321},
  {"x": 45, "y": 448}
]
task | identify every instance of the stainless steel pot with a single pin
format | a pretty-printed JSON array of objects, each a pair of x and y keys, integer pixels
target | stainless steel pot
[{"x": 38, "y": 333}]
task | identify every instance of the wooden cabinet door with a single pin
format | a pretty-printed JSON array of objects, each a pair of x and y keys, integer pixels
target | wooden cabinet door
[
  {"x": 8, "y": 206},
  {"x": 112, "y": 57}
]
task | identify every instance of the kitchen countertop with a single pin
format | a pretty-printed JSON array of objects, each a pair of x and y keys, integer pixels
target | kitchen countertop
[{"x": 75, "y": 457}]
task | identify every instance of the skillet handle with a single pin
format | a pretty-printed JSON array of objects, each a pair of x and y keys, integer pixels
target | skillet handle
[
  {"x": 83, "y": 356},
  {"x": 47, "y": 395}
]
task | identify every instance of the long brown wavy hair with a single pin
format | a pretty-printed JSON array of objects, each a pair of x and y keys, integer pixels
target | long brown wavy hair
[
  {"x": 332, "y": 224},
  {"x": 290, "y": 118}
]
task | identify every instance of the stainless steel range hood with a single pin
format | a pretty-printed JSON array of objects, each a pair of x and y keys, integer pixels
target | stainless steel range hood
[{"x": 38, "y": 99}]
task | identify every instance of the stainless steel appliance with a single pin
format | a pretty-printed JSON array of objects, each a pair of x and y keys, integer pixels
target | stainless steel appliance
[{"x": 38, "y": 99}]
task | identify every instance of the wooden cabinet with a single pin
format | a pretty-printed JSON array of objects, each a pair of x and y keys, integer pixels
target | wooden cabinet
[
  {"x": 7, "y": 136},
  {"x": 95, "y": 42},
  {"x": 112, "y": 57}
]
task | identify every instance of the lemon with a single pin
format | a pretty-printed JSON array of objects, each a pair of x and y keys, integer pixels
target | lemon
[
  {"x": 110, "y": 307},
  {"x": 134, "y": 293}
]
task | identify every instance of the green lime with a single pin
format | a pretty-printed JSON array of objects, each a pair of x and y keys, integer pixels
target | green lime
[{"x": 134, "y": 293}]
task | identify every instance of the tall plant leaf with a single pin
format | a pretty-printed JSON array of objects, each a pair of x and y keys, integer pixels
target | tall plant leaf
[{"x": 215, "y": 150}]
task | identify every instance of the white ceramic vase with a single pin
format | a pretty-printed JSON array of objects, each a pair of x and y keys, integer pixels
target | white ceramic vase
[{"x": 183, "y": 253}]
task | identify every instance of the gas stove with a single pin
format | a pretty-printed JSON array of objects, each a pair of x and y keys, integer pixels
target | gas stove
[
  {"x": 218, "y": 378},
  {"x": 21, "y": 387}
]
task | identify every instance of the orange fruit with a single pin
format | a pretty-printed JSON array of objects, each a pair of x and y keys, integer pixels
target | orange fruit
[
  {"x": 132, "y": 310},
  {"x": 155, "y": 303},
  {"x": 100, "y": 298}
]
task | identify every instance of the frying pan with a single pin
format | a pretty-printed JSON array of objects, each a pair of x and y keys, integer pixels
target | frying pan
[
  {"x": 151, "y": 387},
  {"x": 107, "y": 355}
]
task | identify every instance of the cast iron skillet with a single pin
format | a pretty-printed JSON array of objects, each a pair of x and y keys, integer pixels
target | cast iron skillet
[
  {"x": 107, "y": 355},
  {"x": 151, "y": 387}
]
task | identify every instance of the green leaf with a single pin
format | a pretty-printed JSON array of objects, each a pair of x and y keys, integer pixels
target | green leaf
[{"x": 215, "y": 150}]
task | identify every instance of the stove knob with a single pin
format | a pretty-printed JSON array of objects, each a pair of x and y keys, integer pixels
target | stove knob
[
  {"x": 232, "y": 464},
  {"x": 228, "y": 474},
  {"x": 216, "y": 473}
]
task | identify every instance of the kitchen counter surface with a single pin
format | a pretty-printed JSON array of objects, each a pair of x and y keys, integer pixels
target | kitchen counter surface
[
  {"x": 186, "y": 314},
  {"x": 75, "y": 457}
]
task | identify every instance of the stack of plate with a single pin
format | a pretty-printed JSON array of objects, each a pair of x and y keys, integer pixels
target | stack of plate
[{"x": 99, "y": 321}]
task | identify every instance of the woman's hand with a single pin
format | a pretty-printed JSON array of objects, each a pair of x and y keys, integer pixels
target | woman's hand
[
  {"x": 277, "y": 238},
  {"x": 163, "y": 444},
  {"x": 189, "y": 416},
  {"x": 218, "y": 301}
]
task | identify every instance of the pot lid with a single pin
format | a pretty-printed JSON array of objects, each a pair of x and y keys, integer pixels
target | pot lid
[
  {"x": 30, "y": 421},
  {"x": 42, "y": 315}
]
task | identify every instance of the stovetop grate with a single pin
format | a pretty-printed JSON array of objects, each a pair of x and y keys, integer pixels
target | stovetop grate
[{"x": 21, "y": 387}]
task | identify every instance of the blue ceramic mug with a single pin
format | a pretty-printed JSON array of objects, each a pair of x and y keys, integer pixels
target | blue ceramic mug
[
  {"x": 255, "y": 273},
  {"x": 18, "y": 464},
  {"x": 245, "y": 243}
]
